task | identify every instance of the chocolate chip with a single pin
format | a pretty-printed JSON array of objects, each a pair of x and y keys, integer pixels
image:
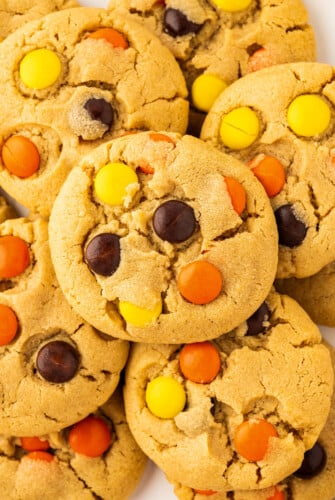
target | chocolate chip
[
  {"x": 256, "y": 321},
  {"x": 57, "y": 361},
  {"x": 177, "y": 24},
  {"x": 174, "y": 221},
  {"x": 99, "y": 109},
  {"x": 313, "y": 463},
  {"x": 103, "y": 254},
  {"x": 292, "y": 231}
]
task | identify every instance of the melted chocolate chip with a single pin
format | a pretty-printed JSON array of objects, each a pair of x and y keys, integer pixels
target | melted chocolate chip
[
  {"x": 174, "y": 221},
  {"x": 103, "y": 254},
  {"x": 101, "y": 110},
  {"x": 57, "y": 361},
  {"x": 256, "y": 321},
  {"x": 177, "y": 24},
  {"x": 313, "y": 463},
  {"x": 292, "y": 231}
]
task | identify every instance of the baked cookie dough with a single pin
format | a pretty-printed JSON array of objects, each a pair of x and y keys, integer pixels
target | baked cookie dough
[
  {"x": 107, "y": 467},
  {"x": 54, "y": 367},
  {"x": 16, "y": 13},
  {"x": 216, "y": 42},
  {"x": 161, "y": 238},
  {"x": 280, "y": 121},
  {"x": 242, "y": 408},
  {"x": 73, "y": 80},
  {"x": 314, "y": 480},
  {"x": 6, "y": 210}
]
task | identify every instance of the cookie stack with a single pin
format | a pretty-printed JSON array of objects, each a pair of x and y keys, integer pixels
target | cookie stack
[{"x": 144, "y": 274}]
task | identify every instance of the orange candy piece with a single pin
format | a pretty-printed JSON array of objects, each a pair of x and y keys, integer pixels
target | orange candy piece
[
  {"x": 90, "y": 437},
  {"x": 200, "y": 362},
  {"x": 270, "y": 172},
  {"x": 252, "y": 438},
  {"x": 278, "y": 495},
  {"x": 157, "y": 137},
  {"x": 237, "y": 194},
  {"x": 199, "y": 282},
  {"x": 8, "y": 324},
  {"x": 111, "y": 36},
  {"x": 39, "y": 455},
  {"x": 206, "y": 493},
  {"x": 14, "y": 256},
  {"x": 34, "y": 444},
  {"x": 20, "y": 156},
  {"x": 260, "y": 59}
]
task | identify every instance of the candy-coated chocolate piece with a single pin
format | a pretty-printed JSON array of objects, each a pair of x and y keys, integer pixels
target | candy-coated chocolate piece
[
  {"x": 308, "y": 115},
  {"x": 34, "y": 443},
  {"x": 39, "y": 455},
  {"x": 112, "y": 36},
  {"x": 57, "y": 361},
  {"x": 256, "y": 322},
  {"x": 232, "y": 5},
  {"x": 177, "y": 24},
  {"x": 199, "y": 282},
  {"x": 14, "y": 256},
  {"x": 174, "y": 221},
  {"x": 40, "y": 69},
  {"x": 100, "y": 109},
  {"x": 313, "y": 463},
  {"x": 291, "y": 230},
  {"x": 200, "y": 362},
  {"x": 277, "y": 495},
  {"x": 20, "y": 156},
  {"x": 139, "y": 316},
  {"x": 102, "y": 254},
  {"x": 252, "y": 438},
  {"x": 270, "y": 172},
  {"x": 112, "y": 181},
  {"x": 205, "y": 89},
  {"x": 237, "y": 194},
  {"x": 90, "y": 437},
  {"x": 239, "y": 128},
  {"x": 8, "y": 324},
  {"x": 165, "y": 397},
  {"x": 261, "y": 58}
]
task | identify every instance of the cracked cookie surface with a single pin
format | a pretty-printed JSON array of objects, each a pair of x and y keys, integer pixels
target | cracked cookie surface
[
  {"x": 216, "y": 43},
  {"x": 178, "y": 254},
  {"x": 112, "y": 475},
  {"x": 286, "y": 125},
  {"x": 275, "y": 378},
  {"x": 74, "y": 79},
  {"x": 55, "y": 368}
]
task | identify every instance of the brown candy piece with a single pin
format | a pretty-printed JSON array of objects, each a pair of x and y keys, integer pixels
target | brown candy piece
[
  {"x": 256, "y": 321},
  {"x": 174, "y": 221},
  {"x": 101, "y": 110},
  {"x": 291, "y": 230},
  {"x": 57, "y": 361},
  {"x": 177, "y": 24},
  {"x": 313, "y": 463},
  {"x": 103, "y": 254}
]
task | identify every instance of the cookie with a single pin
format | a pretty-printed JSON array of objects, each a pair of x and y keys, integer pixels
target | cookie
[
  {"x": 242, "y": 408},
  {"x": 161, "y": 238},
  {"x": 314, "y": 480},
  {"x": 54, "y": 367},
  {"x": 16, "y": 13},
  {"x": 71, "y": 81},
  {"x": 284, "y": 131},
  {"x": 68, "y": 465},
  {"x": 216, "y": 42}
]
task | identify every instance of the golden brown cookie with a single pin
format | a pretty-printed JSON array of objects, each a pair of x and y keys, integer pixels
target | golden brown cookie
[
  {"x": 242, "y": 409},
  {"x": 71, "y": 81},
  {"x": 54, "y": 367},
  {"x": 162, "y": 238}
]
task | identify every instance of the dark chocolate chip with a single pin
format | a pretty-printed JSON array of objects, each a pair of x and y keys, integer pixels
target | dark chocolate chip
[
  {"x": 292, "y": 231},
  {"x": 103, "y": 254},
  {"x": 256, "y": 321},
  {"x": 254, "y": 47},
  {"x": 57, "y": 361},
  {"x": 101, "y": 110},
  {"x": 313, "y": 463},
  {"x": 177, "y": 24},
  {"x": 174, "y": 221}
]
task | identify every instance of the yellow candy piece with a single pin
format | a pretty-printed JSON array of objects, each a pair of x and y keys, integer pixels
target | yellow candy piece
[
  {"x": 40, "y": 69},
  {"x": 232, "y": 5},
  {"x": 111, "y": 182},
  {"x": 239, "y": 128},
  {"x": 165, "y": 397},
  {"x": 138, "y": 316},
  {"x": 205, "y": 89},
  {"x": 308, "y": 115}
]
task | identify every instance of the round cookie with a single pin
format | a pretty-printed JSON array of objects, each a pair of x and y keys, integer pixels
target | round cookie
[
  {"x": 54, "y": 367},
  {"x": 284, "y": 130},
  {"x": 73, "y": 80},
  {"x": 216, "y": 42},
  {"x": 245, "y": 424},
  {"x": 109, "y": 475},
  {"x": 16, "y": 13},
  {"x": 162, "y": 238},
  {"x": 315, "y": 479}
]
